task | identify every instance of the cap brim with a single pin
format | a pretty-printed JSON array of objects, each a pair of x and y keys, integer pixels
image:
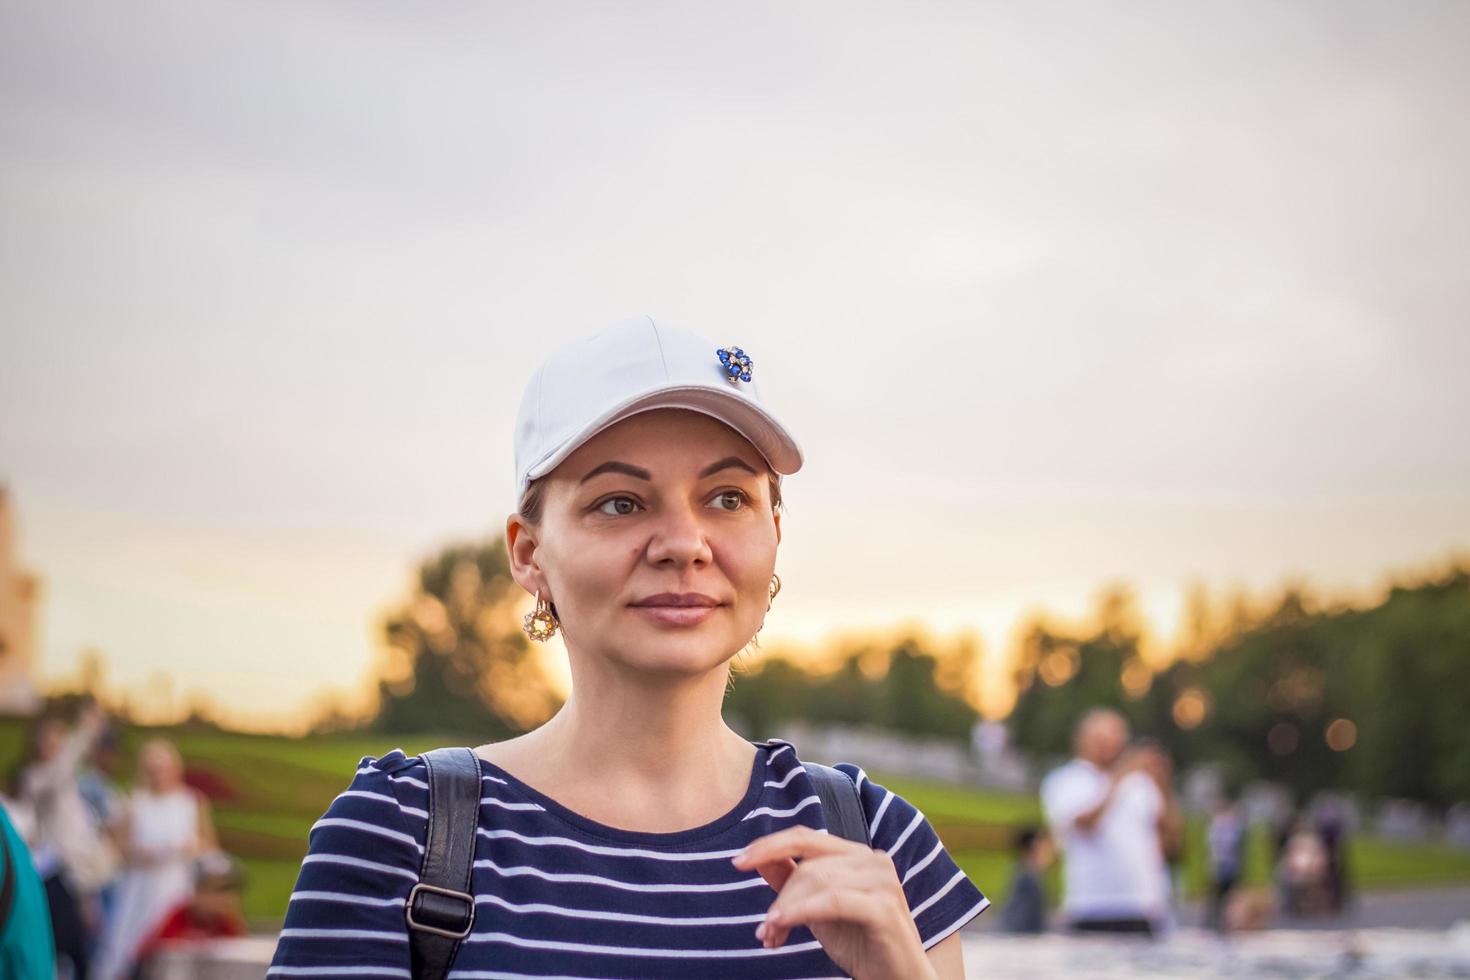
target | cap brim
[{"x": 746, "y": 417}]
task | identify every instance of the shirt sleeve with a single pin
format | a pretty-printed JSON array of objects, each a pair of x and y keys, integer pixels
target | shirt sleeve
[
  {"x": 1063, "y": 797},
  {"x": 1150, "y": 794},
  {"x": 345, "y": 916},
  {"x": 941, "y": 897}
]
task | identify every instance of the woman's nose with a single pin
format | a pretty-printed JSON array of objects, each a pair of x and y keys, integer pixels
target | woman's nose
[{"x": 679, "y": 538}]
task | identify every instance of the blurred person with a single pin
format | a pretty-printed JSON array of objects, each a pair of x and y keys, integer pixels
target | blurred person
[
  {"x": 1283, "y": 822},
  {"x": 1226, "y": 837},
  {"x": 96, "y": 779},
  {"x": 211, "y": 912},
  {"x": 1025, "y": 908},
  {"x": 1154, "y": 761},
  {"x": 72, "y": 855},
  {"x": 1303, "y": 871},
  {"x": 1333, "y": 831},
  {"x": 99, "y": 790},
  {"x": 1105, "y": 813},
  {"x": 165, "y": 825},
  {"x": 646, "y": 524},
  {"x": 27, "y": 947}
]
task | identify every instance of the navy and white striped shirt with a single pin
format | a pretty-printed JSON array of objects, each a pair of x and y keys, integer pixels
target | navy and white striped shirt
[{"x": 559, "y": 895}]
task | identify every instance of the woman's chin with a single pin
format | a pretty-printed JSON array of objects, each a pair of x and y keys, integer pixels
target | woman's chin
[{"x": 687, "y": 650}]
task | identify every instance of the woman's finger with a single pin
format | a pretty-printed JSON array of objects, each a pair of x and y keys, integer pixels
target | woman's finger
[
  {"x": 849, "y": 872},
  {"x": 858, "y": 908},
  {"x": 795, "y": 843},
  {"x": 831, "y": 874},
  {"x": 777, "y": 873},
  {"x": 813, "y": 874}
]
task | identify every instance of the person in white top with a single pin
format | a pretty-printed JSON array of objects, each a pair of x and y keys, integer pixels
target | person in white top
[
  {"x": 1105, "y": 813},
  {"x": 166, "y": 825}
]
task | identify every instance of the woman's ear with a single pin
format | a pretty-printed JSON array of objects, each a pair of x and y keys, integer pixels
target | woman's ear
[
  {"x": 520, "y": 547},
  {"x": 777, "y": 517}
]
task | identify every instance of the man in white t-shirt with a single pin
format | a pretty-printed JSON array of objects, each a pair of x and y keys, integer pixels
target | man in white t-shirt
[{"x": 1105, "y": 815}]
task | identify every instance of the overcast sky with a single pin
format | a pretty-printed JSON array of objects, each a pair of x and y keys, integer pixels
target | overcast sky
[{"x": 1052, "y": 294}]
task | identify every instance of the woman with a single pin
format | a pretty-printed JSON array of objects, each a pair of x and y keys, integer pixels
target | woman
[
  {"x": 165, "y": 825},
  {"x": 635, "y": 834},
  {"x": 72, "y": 856}
]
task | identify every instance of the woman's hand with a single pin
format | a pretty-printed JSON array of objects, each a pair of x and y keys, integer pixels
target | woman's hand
[{"x": 848, "y": 895}]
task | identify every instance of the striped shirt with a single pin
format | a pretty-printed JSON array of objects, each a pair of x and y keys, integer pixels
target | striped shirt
[{"x": 559, "y": 895}]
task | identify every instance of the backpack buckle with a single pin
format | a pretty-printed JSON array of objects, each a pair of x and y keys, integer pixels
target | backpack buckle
[{"x": 445, "y": 917}]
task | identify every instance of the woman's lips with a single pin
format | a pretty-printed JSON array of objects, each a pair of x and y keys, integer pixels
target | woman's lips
[{"x": 676, "y": 615}]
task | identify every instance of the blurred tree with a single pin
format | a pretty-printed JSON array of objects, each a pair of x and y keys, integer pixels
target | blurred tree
[
  {"x": 764, "y": 696},
  {"x": 1268, "y": 702},
  {"x": 894, "y": 687},
  {"x": 457, "y": 659},
  {"x": 911, "y": 699},
  {"x": 1059, "y": 676},
  {"x": 1409, "y": 678}
]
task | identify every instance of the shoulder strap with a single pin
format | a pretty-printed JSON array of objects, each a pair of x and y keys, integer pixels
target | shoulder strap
[
  {"x": 841, "y": 804},
  {"x": 441, "y": 909}
]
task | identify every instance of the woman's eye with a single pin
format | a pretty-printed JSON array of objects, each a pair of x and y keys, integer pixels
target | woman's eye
[
  {"x": 731, "y": 500},
  {"x": 618, "y": 506}
]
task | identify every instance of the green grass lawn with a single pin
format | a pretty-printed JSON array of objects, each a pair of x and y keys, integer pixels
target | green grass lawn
[
  {"x": 943, "y": 803},
  {"x": 268, "y": 887},
  {"x": 1377, "y": 863},
  {"x": 273, "y": 789}
]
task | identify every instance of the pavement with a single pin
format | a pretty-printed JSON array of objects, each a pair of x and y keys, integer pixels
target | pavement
[
  {"x": 1421, "y": 933},
  {"x": 1284, "y": 954}
]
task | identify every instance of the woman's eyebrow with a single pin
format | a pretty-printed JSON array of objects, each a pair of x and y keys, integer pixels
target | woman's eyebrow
[
  {"x": 726, "y": 463},
  {"x": 613, "y": 466}
]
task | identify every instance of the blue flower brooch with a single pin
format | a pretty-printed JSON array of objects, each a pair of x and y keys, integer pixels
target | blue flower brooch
[{"x": 737, "y": 363}]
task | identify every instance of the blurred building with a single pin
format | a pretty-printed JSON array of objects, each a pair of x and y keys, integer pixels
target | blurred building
[{"x": 19, "y": 596}]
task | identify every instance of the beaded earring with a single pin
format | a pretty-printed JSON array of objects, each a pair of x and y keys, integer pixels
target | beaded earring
[{"x": 540, "y": 625}]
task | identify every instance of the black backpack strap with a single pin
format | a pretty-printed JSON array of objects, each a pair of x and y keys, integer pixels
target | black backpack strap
[
  {"x": 440, "y": 910},
  {"x": 841, "y": 804}
]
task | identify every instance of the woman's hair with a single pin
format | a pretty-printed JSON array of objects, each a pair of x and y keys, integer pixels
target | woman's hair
[{"x": 533, "y": 501}]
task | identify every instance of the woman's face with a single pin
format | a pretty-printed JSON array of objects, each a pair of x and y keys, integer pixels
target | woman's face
[
  {"x": 160, "y": 766},
  {"x": 657, "y": 543}
]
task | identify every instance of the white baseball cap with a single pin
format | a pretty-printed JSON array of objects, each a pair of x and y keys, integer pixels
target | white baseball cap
[{"x": 633, "y": 366}]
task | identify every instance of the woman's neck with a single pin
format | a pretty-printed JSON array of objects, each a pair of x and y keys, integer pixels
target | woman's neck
[{"x": 636, "y": 752}]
